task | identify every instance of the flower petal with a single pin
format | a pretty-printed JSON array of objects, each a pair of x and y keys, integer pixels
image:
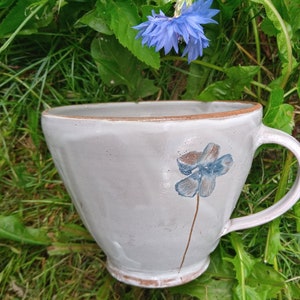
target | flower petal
[
  {"x": 210, "y": 154},
  {"x": 163, "y": 32},
  {"x": 188, "y": 187},
  {"x": 200, "y": 8},
  {"x": 188, "y": 162},
  {"x": 194, "y": 48},
  {"x": 207, "y": 185},
  {"x": 222, "y": 165}
]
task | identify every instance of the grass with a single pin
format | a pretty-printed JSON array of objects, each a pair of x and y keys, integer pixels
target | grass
[
  {"x": 53, "y": 70},
  {"x": 30, "y": 186}
]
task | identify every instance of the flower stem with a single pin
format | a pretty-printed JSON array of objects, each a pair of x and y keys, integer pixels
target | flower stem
[
  {"x": 258, "y": 51},
  {"x": 32, "y": 13},
  {"x": 197, "y": 62},
  {"x": 190, "y": 234},
  {"x": 178, "y": 6}
]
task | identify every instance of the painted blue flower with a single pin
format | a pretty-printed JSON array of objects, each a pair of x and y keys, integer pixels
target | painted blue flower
[
  {"x": 165, "y": 32},
  {"x": 202, "y": 169}
]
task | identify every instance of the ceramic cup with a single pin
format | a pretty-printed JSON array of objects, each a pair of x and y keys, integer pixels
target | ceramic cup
[{"x": 156, "y": 183}]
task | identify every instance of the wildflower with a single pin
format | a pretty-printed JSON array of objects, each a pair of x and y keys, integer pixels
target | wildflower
[
  {"x": 203, "y": 169},
  {"x": 165, "y": 32}
]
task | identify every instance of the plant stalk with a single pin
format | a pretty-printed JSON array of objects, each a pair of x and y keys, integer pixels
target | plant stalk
[
  {"x": 289, "y": 54},
  {"x": 258, "y": 52},
  {"x": 281, "y": 190},
  {"x": 11, "y": 38}
]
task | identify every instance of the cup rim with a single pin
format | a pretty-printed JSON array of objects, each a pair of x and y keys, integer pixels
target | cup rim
[{"x": 249, "y": 106}]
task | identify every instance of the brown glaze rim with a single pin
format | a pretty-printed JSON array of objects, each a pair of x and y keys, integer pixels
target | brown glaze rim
[
  {"x": 255, "y": 106},
  {"x": 156, "y": 282}
]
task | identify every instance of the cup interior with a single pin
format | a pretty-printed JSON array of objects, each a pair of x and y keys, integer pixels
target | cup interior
[{"x": 155, "y": 110}]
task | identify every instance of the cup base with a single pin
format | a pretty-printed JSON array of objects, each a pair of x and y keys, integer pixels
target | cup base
[{"x": 167, "y": 279}]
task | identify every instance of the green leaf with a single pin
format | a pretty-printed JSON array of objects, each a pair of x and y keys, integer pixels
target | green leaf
[
  {"x": 268, "y": 27},
  {"x": 96, "y": 22},
  {"x": 216, "y": 283},
  {"x": 242, "y": 75},
  {"x": 262, "y": 283},
  {"x": 207, "y": 288},
  {"x": 274, "y": 17},
  {"x": 219, "y": 267},
  {"x": 243, "y": 263},
  {"x": 228, "y": 8},
  {"x": 297, "y": 214},
  {"x": 14, "y": 18},
  {"x": 144, "y": 87},
  {"x": 6, "y": 3},
  {"x": 284, "y": 41},
  {"x": 266, "y": 281},
  {"x": 71, "y": 232},
  {"x": 298, "y": 87},
  {"x": 293, "y": 9},
  {"x": 12, "y": 228},
  {"x": 255, "y": 279},
  {"x": 273, "y": 245},
  {"x": 165, "y": 6},
  {"x": 33, "y": 126},
  {"x": 232, "y": 87},
  {"x": 295, "y": 290},
  {"x": 248, "y": 293},
  {"x": 195, "y": 81},
  {"x": 107, "y": 51},
  {"x": 104, "y": 292},
  {"x": 57, "y": 249},
  {"x": 25, "y": 17},
  {"x": 121, "y": 16},
  {"x": 278, "y": 114}
]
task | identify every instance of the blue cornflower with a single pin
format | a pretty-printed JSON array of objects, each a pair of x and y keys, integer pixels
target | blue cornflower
[
  {"x": 165, "y": 32},
  {"x": 202, "y": 169}
]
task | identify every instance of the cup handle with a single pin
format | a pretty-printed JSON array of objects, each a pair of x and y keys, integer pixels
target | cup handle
[{"x": 269, "y": 135}]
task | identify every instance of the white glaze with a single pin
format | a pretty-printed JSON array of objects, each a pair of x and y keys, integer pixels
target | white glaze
[{"x": 119, "y": 163}]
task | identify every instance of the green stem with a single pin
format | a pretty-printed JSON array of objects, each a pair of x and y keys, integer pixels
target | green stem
[
  {"x": 261, "y": 85},
  {"x": 179, "y": 4},
  {"x": 291, "y": 91},
  {"x": 281, "y": 190},
  {"x": 258, "y": 52},
  {"x": 273, "y": 230},
  {"x": 198, "y": 62},
  {"x": 238, "y": 247},
  {"x": 217, "y": 68},
  {"x": 11, "y": 38}
]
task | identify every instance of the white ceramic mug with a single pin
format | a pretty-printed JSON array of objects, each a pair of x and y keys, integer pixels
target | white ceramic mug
[{"x": 155, "y": 183}]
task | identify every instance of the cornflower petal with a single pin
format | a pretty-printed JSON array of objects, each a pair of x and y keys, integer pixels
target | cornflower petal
[
  {"x": 161, "y": 31},
  {"x": 195, "y": 48}
]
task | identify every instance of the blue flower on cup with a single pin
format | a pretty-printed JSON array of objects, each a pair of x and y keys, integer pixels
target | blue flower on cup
[{"x": 202, "y": 169}]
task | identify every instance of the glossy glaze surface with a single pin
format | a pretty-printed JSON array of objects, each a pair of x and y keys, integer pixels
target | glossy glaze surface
[{"x": 156, "y": 182}]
